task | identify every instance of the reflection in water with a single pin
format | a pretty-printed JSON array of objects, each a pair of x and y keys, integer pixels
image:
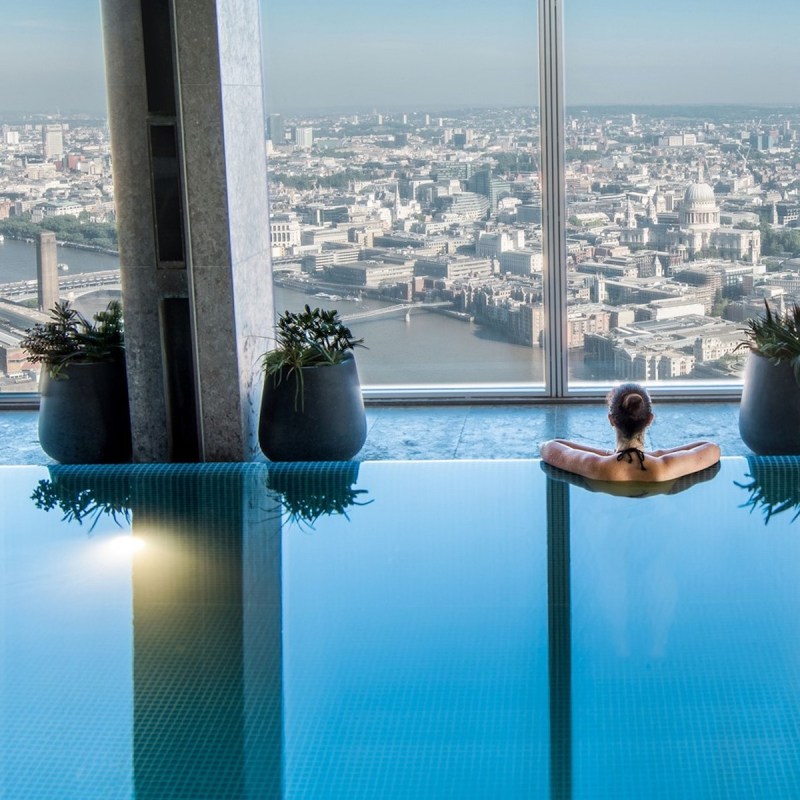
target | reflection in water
[
  {"x": 400, "y": 663},
  {"x": 207, "y": 654},
  {"x": 84, "y": 493},
  {"x": 310, "y": 490},
  {"x": 559, "y": 638},
  {"x": 207, "y": 647},
  {"x": 775, "y": 485},
  {"x": 207, "y": 642},
  {"x": 632, "y": 488}
]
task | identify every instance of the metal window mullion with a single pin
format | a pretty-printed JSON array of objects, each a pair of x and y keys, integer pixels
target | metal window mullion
[{"x": 551, "y": 110}]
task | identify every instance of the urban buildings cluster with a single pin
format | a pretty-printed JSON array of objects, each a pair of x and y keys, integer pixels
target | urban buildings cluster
[
  {"x": 48, "y": 168},
  {"x": 56, "y": 168},
  {"x": 664, "y": 236},
  {"x": 667, "y": 216}
]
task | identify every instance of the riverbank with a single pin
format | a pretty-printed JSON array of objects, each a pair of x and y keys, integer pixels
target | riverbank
[{"x": 61, "y": 243}]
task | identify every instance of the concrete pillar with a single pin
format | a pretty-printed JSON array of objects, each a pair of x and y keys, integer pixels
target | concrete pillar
[
  {"x": 46, "y": 270},
  {"x": 188, "y": 148}
]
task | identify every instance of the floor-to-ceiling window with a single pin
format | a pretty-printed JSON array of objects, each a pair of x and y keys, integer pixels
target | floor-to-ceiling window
[
  {"x": 55, "y": 173},
  {"x": 681, "y": 179},
  {"x": 405, "y": 192},
  {"x": 407, "y": 188}
]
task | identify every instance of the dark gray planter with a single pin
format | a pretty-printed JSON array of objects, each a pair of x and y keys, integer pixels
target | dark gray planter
[
  {"x": 84, "y": 416},
  {"x": 769, "y": 415},
  {"x": 326, "y": 423}
]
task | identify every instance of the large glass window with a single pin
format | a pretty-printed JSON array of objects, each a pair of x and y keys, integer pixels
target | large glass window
[
  {"x": 681, "y": 181},
  {"x": 403, "y": 164},
  {"x": 406, "y": 189},
  {"x": 55, "y": 176}
]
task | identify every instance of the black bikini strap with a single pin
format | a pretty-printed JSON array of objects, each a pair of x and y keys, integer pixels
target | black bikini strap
[{"x": 629, "y": 451}]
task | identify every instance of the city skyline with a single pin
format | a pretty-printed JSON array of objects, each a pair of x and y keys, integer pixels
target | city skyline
[
  {"x": 662, "y": 266},
  {"x": 445, "y": 55}
]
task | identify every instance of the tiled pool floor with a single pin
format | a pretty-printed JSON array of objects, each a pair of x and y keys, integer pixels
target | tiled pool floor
[
  {"x": 469, "y": 432},
  {"x": 387, "y": 630}
]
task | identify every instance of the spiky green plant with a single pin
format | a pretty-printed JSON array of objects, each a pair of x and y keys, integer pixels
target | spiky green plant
[
  {"x": 776, "y": 337},
  {"x": 309, "y": 338},
  {"x": 70, "y": 338}
]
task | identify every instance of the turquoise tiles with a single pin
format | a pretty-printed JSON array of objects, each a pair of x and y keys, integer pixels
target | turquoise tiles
[{"x": 471, "y": 629}]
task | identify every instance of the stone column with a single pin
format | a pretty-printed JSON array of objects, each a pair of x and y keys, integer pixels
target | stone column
[{"x": 188, "y": 148}]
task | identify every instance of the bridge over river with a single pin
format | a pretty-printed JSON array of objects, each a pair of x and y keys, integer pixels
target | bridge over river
[
  {"x": 85, "y": 282},
  {"x": 68, "y": 285},
  {"x": 406, "y": 308}
]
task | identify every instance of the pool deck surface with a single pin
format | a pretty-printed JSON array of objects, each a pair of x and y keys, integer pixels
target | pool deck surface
[{"x": 400, "y": 433}]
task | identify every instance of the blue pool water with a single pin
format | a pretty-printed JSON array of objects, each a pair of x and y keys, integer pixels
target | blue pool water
[{"x": 470, "y": 629}]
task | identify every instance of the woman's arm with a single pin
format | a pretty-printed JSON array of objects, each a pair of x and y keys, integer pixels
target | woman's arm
[
  {"x": 581, "y": 459},
  {"x": 585, "y": 447},
  {"x": 683, "y": 461},
  {"x": 689, "y": 446}
]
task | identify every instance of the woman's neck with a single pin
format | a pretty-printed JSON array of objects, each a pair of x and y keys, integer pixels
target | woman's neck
[{"x": 624, "y": 442}]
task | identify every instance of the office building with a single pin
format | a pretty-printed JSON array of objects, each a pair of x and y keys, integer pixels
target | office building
[
  {"x": 304, "y": 137},
  {"x": 276, "y": 131},
  {"x": 52, "y": 142}
]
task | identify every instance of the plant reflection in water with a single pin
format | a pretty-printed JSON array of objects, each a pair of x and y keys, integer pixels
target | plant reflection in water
[
  {"x": 775, "y": 485},
  {"x": 82, "y": 497},
  {"x": 309, "y": 490},
  {"x": 305, "y": 491}
]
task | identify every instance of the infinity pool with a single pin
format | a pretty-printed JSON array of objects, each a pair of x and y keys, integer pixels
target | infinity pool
[{"x": 383, "y": 630}]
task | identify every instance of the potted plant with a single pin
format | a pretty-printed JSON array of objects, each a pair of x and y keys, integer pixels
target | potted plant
[
  {"x": 769, "y": 415},
  {"x": 312, "y": 409},
  {"x": 83, "y": 412}
]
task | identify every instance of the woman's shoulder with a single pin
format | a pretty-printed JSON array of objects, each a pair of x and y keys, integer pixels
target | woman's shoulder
[
  {"x": 683, "y": 461},
  {"x": 631, "y": 464}
]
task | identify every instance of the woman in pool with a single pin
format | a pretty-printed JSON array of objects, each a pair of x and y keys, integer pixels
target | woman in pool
[{"x": 630, "y": 412}]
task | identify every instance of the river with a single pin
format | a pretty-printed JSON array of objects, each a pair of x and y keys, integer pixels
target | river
[
  {"x": 18, "y": 260},
  {"x": 429, "y": 348}
]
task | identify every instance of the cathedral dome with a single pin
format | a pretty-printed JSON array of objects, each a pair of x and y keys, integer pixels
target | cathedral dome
[
  {"x": 699, "y": 213},
  {"x": 699, "y": 195}
]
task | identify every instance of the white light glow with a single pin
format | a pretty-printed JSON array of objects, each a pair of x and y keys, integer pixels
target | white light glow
[{"x": 125, "y": 546}]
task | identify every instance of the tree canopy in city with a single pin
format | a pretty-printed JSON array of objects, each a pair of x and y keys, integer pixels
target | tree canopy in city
[{"x": 68, "y": 229}]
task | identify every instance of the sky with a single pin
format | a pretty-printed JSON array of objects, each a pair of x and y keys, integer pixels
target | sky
[
  {"x": 51, "y": 56},
  {"x": 436, "y": 54}
]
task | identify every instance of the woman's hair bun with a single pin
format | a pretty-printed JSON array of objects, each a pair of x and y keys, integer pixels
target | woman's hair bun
[
  {"x": 630, "y": 407},
  {"x": 632, "y": 401}
]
